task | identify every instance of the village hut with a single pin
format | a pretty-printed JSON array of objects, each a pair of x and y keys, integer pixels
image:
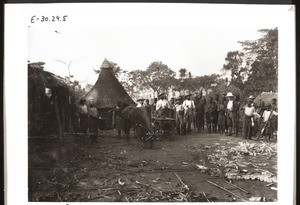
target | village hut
[
  {"x": 265, "y": 97},
  {"x": 105, "y": 94},
  {"x": 50, "y": 100}
]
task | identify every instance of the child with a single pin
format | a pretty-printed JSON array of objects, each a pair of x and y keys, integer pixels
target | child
[{"x": 266, "y": 128}]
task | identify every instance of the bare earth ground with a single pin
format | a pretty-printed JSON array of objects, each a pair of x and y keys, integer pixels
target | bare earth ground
[{"x": 197, "y": 167}]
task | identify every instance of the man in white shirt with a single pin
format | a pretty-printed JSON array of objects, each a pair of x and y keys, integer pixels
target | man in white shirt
[
  {"x": 248, "y": 122},
  {"x": 162, "y": 105},
  {"x": 189, "y": 107}
]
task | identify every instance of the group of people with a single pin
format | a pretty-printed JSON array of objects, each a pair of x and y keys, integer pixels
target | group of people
[
  {"x": 220, "y": 114},
  {"x": 86, "y": 119},
  {"x": 181, "y": 108}
]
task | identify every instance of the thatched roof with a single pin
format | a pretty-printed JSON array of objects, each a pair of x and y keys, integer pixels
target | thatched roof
[
  {"x": 42, "y": 79},
  {"x": 37, "y": 74},
  {"x": 265, "y": 97},
  {"x": 107, "y": 91}
]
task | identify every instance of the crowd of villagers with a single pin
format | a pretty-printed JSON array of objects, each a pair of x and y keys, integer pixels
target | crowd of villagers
[
  {"x": 223, "y": 114},
  {"x": 218, "y": 114}
]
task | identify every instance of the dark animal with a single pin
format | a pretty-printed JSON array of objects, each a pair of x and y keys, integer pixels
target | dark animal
[{"x": 139, "y": 116}]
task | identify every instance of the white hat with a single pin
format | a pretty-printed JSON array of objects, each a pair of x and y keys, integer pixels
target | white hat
[
  {"x": 229, "y": 94},
  {"x": 251, "y": 97}
]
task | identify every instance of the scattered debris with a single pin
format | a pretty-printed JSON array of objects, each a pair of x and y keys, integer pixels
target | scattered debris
[
  {"x": 120, "y": 182},
  {"x": 183, "y": 184},
  {"x": 226, "y": 190},
  {"x": 260, "y": 199},
  {"x": 237, "y": 187},
  {"x": 127, "y": 178},
  {"x": 215, "y": 172}
]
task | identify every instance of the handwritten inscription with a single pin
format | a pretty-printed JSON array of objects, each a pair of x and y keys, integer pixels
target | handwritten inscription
[{"x": 42, "y": 19}]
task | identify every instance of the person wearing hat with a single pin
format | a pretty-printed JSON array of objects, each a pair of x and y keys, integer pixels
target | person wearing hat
[
  {"x": 248, "y": 122},
  {"x": 140, "y": 102},
  {"x": 189, "y": 107},
  {"x": 179, "y": 112},
  {"x": 162, "y": 105},
  {"x": 230, "y": 113}
]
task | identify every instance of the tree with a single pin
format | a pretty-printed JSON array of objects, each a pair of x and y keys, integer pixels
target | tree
[
  {"x": 116, "y": 69},
  {"x": 263, "y": 70},
  {"x": 193, "y": 84},
  {"x": 234, "y": 64},
  {"x": 158, "y": 77},
  {"x": 182, "y": 73}
]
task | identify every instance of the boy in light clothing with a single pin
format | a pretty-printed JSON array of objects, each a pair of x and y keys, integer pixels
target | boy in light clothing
[{"x": 266, "y": 128}]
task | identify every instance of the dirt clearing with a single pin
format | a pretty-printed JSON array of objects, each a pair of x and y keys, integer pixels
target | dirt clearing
[{"x": 198, "y": 167}]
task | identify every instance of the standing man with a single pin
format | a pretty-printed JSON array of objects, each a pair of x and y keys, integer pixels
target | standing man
[
  {"x": 221, "y": 115},
  {"x": 179, "y": 109},
  {"x": 153, "y": 107},
  {"x": 230, "y": 114},
  {"x": 172, "y": 108},
  {"x": 83, "y": 116},
  {"x": 198, "y": 113},
  {"x": 274, "y": 120},
  {"x": 117, "y": 121},
  {"x": 148, "y": 106},
  {"x": 94, "y": 121},
  {"x": 236, "y": 109},
  {"x": 248, "y": 122},
  {"x": 189, "y": 107},
  {"x": 162, "y": 105},
  {"x": 211, "y": 115}
]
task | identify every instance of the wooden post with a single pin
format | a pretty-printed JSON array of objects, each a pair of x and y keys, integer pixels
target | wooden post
[{"x": 59, "y": 124}]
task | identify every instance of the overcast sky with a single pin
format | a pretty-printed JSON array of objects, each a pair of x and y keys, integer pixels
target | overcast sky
[
  {"x": 201, "y": 50},
  {"x": 192, "y": 36}
]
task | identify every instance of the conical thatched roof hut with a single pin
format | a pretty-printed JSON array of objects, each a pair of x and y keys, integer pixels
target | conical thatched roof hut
[{"x": 107, "y": 91}]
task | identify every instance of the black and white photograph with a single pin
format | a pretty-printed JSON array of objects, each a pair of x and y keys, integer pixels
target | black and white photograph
[{"x": 152, "y": 103}]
